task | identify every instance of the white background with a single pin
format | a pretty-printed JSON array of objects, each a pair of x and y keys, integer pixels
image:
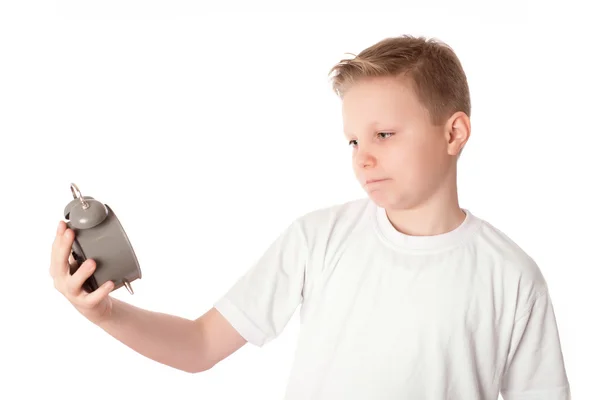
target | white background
[{"x": 208, "y": 132}]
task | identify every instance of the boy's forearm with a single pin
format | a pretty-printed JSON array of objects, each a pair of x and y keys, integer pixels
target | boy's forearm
[{"x": 167, "y": 339}]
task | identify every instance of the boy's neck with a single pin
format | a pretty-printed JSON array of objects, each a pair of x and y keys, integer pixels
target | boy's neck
[{"x": 441, "y": 213}]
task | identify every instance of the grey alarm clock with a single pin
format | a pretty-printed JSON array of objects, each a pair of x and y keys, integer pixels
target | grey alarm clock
[{"x": 100, "y": 236}]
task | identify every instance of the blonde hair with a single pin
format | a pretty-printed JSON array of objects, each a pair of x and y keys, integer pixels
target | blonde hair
[{"x": 433, "y": 69}]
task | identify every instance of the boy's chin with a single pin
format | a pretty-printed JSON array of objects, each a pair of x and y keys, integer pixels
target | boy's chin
[
  {"x": 394, "y": 200},
  {"x": 387, "y": 199}
]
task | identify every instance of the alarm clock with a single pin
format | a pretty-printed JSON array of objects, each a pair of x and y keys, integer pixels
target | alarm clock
[{"x": 100, "y": 236}]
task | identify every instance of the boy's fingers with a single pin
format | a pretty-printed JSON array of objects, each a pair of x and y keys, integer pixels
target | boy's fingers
[
  {"x": 59, "y": 235},
  {"x": 64, "y": 250},
  {"x": 60, "y": 254},
  {"x": 56, "y": 263},
  {"x": 92, "y": 299},
  {"x": 59, "y": 232},
  {"x": 61, "y": 228},
  {"x": 76, "y": 281}
]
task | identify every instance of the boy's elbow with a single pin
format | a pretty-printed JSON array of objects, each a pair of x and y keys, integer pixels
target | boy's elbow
[{"x": 196, "y": 369}]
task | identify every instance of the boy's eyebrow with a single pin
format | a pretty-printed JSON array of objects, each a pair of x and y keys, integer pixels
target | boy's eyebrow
[
  {"x": 347, "y": 133},
  {"x": 371, "y": 125},
  {"x": 377, "y": 126}
]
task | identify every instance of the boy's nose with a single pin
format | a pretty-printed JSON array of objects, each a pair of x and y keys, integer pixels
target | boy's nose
[{"x": 364, "y": 159}]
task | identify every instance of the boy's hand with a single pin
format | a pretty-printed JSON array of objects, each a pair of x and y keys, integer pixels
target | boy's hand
[{"x": 95, "y": 306}]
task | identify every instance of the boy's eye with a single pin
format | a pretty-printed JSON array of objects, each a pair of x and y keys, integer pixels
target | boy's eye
[{"x": 383, "y": 135}]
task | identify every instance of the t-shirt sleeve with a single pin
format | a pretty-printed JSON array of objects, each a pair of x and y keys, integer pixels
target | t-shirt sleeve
[
  {"x": 262, "y": 301},
  {"x": 535, "y": 367}
]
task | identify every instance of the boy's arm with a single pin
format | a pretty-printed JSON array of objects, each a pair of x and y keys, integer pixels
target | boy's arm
[
  {"x": 254, "y": 310},
  {"x": 181, "y": 343},
  {"x": 188, "y": 345},
  {"x": 535, "y": 366},
  {"x": 220, "y": 339}
]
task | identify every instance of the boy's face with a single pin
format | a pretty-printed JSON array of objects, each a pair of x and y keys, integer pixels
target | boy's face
[{"x": 398, "y": 156}]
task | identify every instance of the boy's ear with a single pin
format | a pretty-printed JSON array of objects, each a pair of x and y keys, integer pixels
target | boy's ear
[{"x": 457, "y": 131}]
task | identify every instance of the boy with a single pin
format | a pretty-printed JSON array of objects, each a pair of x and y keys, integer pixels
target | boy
[{"x": 404, "y": 294}]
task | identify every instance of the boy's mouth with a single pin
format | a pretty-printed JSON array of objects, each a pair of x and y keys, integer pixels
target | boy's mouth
[{"x": 372, "y": 181}]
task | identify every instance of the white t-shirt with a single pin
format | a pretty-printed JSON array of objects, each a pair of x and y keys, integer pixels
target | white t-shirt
[{"x": 464, "y": 315}]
